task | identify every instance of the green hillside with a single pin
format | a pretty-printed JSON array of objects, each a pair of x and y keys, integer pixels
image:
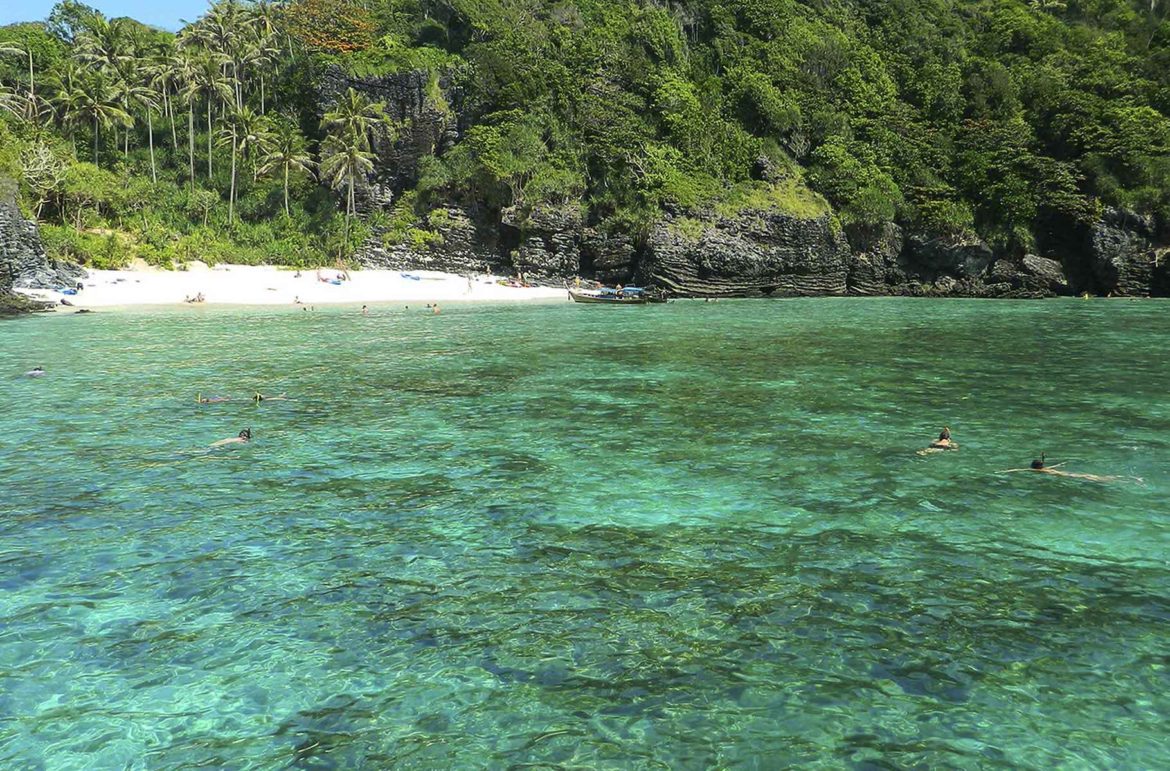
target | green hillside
[{"x": 999, "y": 117}]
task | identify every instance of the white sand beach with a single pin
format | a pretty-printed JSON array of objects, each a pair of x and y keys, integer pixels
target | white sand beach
[{"x": 269, "y": 285}]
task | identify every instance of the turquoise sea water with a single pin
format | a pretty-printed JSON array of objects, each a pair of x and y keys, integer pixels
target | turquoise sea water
[{"x": 563, "y": 536}]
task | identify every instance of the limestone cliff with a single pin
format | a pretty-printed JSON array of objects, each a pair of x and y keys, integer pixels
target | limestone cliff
[
  {"x": 708, "y": 253},
  {"x": 23, "y": 262},
  {"x": 751, "y": 253}
]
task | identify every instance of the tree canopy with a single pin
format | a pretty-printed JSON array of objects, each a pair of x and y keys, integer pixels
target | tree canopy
[{"x": 989, "y": 116}]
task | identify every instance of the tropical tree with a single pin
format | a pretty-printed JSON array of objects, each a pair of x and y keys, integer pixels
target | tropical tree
[
  {"x": 9, "y": 101},
  {"x": 69, "y": 98},
  {"x": 287, "y": 154},
  {"x": 187, "y": 80},
  {"x": 343, "y": 160},
  {"x": 355, "y": 116},
  {"x": 13, "y": 48},
  {"x": 99, "y": 101},
  {"x": 212, "y": 84},
  {"x": 249, "y": 134},
  {"x": 145, "y": 97},
  {"x": 345, "y": 154},
  {"x": 105, "y": 43}
]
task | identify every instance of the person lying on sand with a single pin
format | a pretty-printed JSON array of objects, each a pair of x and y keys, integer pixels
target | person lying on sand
[
  {"x": 1040, "y": 466},
  {"x": 943, "y": 443},
  {"x": 201, "y": 399},
  {"x": 243, "y": 437},
  {"x": 259, "y": 397}
]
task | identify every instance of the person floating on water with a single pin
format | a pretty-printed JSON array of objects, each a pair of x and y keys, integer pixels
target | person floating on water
[
  {"x": 1040, "y": 466},
  {"x": 243, "y": 437},
  {"x": 35, "y": 372},
  {"x": 201, "y": 399},
  {"x": 259, "y": 397},
  {"x": 943, "y": 443}
]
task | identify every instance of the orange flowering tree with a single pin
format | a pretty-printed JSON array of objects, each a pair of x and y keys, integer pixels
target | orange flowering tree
[{"x": 330, "y": 25}]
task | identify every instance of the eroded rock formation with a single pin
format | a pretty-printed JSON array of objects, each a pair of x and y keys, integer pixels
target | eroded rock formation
[{"x": 23, "y": 263}]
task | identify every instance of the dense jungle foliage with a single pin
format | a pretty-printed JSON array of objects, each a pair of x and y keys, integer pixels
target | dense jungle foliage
[{"x": 984, "y": 116}]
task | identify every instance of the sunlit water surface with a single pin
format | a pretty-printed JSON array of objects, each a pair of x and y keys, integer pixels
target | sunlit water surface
[{"x": 687, "y": 536}]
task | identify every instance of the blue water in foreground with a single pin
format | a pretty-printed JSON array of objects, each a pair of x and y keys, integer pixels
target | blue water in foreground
[{"x": 565, "y": 536}]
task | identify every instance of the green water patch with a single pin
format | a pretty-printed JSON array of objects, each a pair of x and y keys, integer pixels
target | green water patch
[{"x": 697, "y": 535}]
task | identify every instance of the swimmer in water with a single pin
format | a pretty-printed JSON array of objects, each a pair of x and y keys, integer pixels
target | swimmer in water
[
  {"x": 243, "y": 437},
  {"x": 259, "y": 397},
  {"x": 943, "y": 443},
  {"x": 1040, "y": 466},
  {"x": 201, "y": 399},
  {"x": 35, "y": 372}
]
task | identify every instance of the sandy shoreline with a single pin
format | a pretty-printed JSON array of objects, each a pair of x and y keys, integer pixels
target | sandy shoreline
[{"x": 269, "y": 285}]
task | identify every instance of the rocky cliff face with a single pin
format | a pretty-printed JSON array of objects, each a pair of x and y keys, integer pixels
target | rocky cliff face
[
  {"x": 1127, "y": 256},
  {"x": 424, "y": 126},
  {"x": 707, "y": 254},
  {"x": 23, "y": 263},
  {"x": 753, "y": 253}
]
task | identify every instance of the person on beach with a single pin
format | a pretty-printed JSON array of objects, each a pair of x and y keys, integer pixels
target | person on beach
[
  {"x": 259, "y": 397},
  {"x": 35, "y": 372},
  {"x": 201, "y": 399},
  {"x": 943, "y": 443},
  {"x": 243, "y": 437},
  {"x": 1040, "y": 466}
]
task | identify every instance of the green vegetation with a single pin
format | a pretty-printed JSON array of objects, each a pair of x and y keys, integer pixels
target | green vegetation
[{"x": 991, "y": 116}]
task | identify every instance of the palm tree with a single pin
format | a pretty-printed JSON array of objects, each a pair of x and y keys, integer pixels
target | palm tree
[
  {"x": 9, "y": 100},
  {"x": 212, "y": 84},
  {"x": 249, "y": 134},
  {"x": 344, "y": 159},
  {"x": 164, "y": 70},
  {"x": 257, "y": 55},
  {"x": 105, "y": 43},
  {"x": 100, "y": 103},
  {"x": 356, "y": 116},
  {"x": 345, "y": 154},
  {"x": 14, "y": 48},
  {"x": 287, "y": 153},
  {"x": 187, "y": 79},
  {"x": 70, "y": 99},
  {"x": 144, "y": 97}
]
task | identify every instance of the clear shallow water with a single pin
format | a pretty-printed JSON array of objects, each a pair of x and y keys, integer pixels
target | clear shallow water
[{"x": 682, "y": 536}]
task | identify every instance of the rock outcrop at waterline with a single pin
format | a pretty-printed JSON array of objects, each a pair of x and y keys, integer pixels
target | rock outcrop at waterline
[
  {"x": 711, "y": 253},
  {"x": 22, "y": 258},
  {"x": 1126, "y": 256},
  {"x": 760, "y": 253},
  {"x": 752, "y": 253}
]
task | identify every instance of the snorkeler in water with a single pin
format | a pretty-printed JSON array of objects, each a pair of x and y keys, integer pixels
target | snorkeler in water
[
  {"x": 201, "y": 399},
  {"x": 243, "y": 437},
  {"x": 943, "y": 443},
  {"x": 35, "y": 372},
  {"x": 1040, "y": 466},
  {"x": 259, "y": 397}
]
